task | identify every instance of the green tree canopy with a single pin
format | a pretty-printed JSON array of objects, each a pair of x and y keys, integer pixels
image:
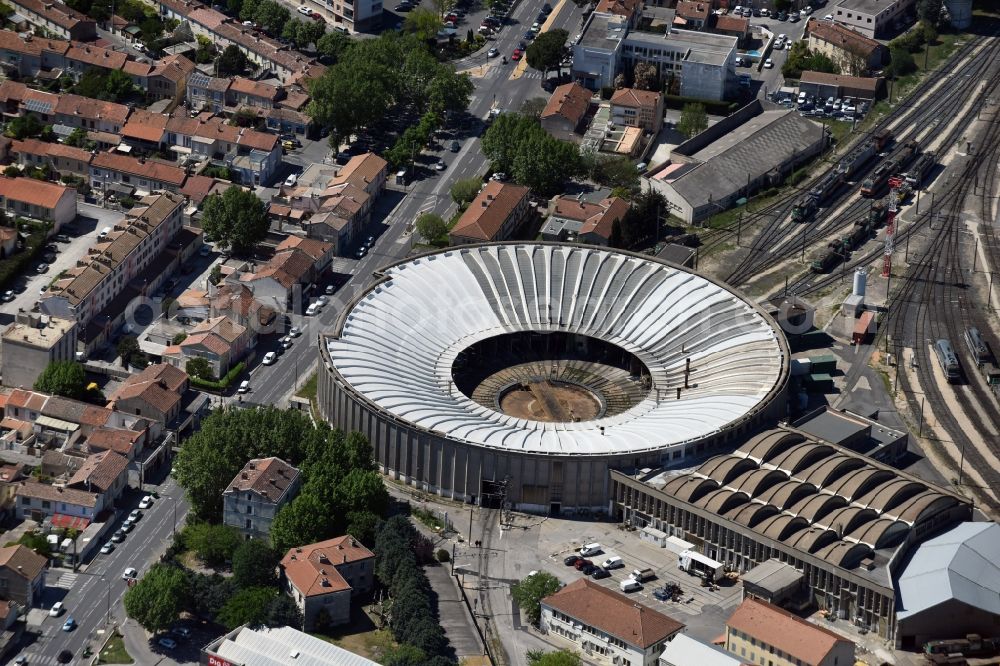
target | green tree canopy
[
  {"x": 431, "y": 227},
  {"x": 158, "y": 598},
  {"x": 65, "y": 378},
  {"x": 533, "y": 107},
  {"x": 900, "y": 63},
  {"x": 546, "y": 52},
  {"x": 801, "y": 59},
  {"x": 271, "y": 16},
  {"x": 254, "y": 563},
  {"x": 333, "y": 44},
  {"x": 232, "y": 61},
  {"x": 23, "y": 127},
  {"x": 236, "y": 219},
  {"x": 465, "y": 190},
  {"x": 694, "y": 120},
  {"x": 248, "y": 606},
  {"x": 208, "y": 594},
  {"x": 304, "y": 33},
  {"x": 518, "y": 145},
  {"x": 299, "y": 522},
  {"x": 529, "y": 592},
  {"x": 423, "y": 23},
  {"x": 199, "y": 367},
  {"x": 213, "y": 544}
]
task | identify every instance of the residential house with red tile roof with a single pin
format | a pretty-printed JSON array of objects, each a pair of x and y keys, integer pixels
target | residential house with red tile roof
[
  {"x": 367, "y": 171},
  {"x": 57, "y": 18},
  {"x": 631, "y": 107},
  {"x": 92, "y": 489},
  {"x": 156, "y": 393},
  {"x": 255, "y": 155},
  {"x": 10, "y": 474},
  {"x": 70, "y": 110},
  {"x": 247, "y": 93},
  {"x": 145, "y": 130},
  {"x": 327, "y": 576},
  {"x": 219, "y": 340},
  {"x": 587, "y": 616},
  {"x": 60, "y": 158},
  {"x": 629, "y": 9},
  {"x": 734, "y": 26},
  {"x": 254, "y": 497},
  {"x": 104, "y": 472},
  {"x": 273, "y": 284},
  {"x": 494, "y": 215},
  {"x": 115, "y": 172},
  {"x": 563, "y": 114},
  {"x": 237, "y": 302},
  {"x": 759, "y": 631},
  {"x": 22, "y": 575},
  {"x": 855, "y": 53},
  {"x": 38, "y": 199},
  {"x": 29, "y": 55},
  {"x": 82, "y": 57},
  {"x": 573, "y": 219},
  {"x": 694, "y": 13},
  {"x": 122, "y": 441},
  {"x": 320, "y": 252}
]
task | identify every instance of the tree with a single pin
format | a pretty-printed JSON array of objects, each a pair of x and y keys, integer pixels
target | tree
[
  {"x": 128, "y": 350},
  {"x": 232, "y": 61},
  {"x": 118, "y": 86},
  {"x": 333, "y": 44},
  {"x": 423, "y": 23},
  {"x": 213, "y": 544},
  {"x": 615, "y": 172},
  {"x": 235, "y": 219},
  {"x": 533, "y": 107},
  {"x": 23, "y": 127},
  {"x": 65, "y": 378},
  {"x": 199, "y": 367},
  {"x": 694, "y": 120},
  {"x": 616, "y": 239},
  {"x": 801, "y": 59},
  {"x": 431, "y": 227},
  {"x": 557, "y": 658},
  {"x": 77, "y": 138},
  {"x": 254, "y": 563},
  {"x": 158, "y": 598},
  {"x": 301, "y": 521},
  {"x": 249, "y": 606},
  {"x": 519, "y": 146},
  {"x": 208, "y": 594},
  {"x": 645, "y": 77},
  {"x": 271, "y": 16},
  {"x": 619, "y": 81},
  {"x": 900, "y": 63},
  {"x": 443, "y": 7},
  {"x": 465, "y": 190},
  {"x": 283, "y": 612},
  {"x": 929, "y": 10},
  {"x": 304, "y": 33},
  {"x": 206, "y": 50},
  {"x": 546, "y": 52},
  {"x": 529, "y": 592}
]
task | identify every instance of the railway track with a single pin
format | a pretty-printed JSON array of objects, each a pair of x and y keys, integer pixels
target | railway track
[
  {"x": 494, "y": 644},
  {"x": 934, "y": 301},
  {"x": 780, "y": 238}
]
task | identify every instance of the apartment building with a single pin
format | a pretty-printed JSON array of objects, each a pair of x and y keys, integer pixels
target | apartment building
[
  {"x": 324, "y": 577},
  {"x": 606, "y": 626},
  {"x": 114, "y": 261},
  {"x": 91, "y": 490},
  {"x": 155, "y": 393},
  {"x": 29, "y": 55},
  {"x": 162, "y": 79},
  {"x": 38, "y": 200},
  {"x": 258, "y": 492},
  {"x": 631, "y": 107},
  {"x": 494, "y": 215},
  {"x": 853, "y": 52},
  {"x": 57, "y": 18},
  {"x": 563, "y": 114},
  {"x": 219, "y": 340},
  {"x": 60, "y": 158},
  {"x": 22, "y": 575},
  {"x": 115, "y": 172},
  {"x": 255, "y": 156},
  {"x": 31, "y": 343}
]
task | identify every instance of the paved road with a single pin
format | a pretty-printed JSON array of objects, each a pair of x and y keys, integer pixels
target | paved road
[{"x": 95, "y": 592}]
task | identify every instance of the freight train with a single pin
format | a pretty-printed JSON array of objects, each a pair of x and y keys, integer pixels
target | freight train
[
  {"x": 838, "y": 250},
  {"x": 915, "y": 176},
  {"x": 879, "y": 179},
  {"x": 828, "y": 184}
]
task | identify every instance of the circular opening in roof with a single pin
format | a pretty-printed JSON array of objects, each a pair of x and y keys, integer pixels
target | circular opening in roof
[{"x": 551, "y": 377}]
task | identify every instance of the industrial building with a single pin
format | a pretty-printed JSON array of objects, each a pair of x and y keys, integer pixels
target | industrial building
[
  {"x": 524, "y": 372},
  {"x": 754, "y": 148},
  {"x": 840, "y": 519},
  {"x": 281, "y": 646},
  {"x": 872, "y": 17},
  {"x": 705, "y": 63}
]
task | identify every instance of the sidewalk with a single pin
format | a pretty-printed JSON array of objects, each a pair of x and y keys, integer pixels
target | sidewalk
[{"x": 137, "y": 645}]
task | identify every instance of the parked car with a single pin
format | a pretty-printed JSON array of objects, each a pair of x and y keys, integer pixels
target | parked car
[
  {"x": 135, "y": 515},
  {"x": 57, "y": 609},
  {"x": 168, "y": 643},
  {"x": 581, "y": 563},
  {"x": 42, "y": 268},
  {"x": 127, "y": 525},
  {"x": 589, "y": 569},
  {"x": 107, "y": 548},
  {"x": 146, "y": 502},
  {"x": 305, "y": 11},
  {"x": 61, "y": 238},
  {"x": 768, "y": 64},
  {"x": 360, "y": 254},
  {"x": 8, "y": 296},
  {"x": 286, "y": 342},
  {"x": 572, "y": 560},
  {"x": 516, "y": 55},
  {"x": 270, "y": 358},
  {"x": 599, "y": 573},
  {"x": 183, "y": 632},
  {"x": 244, "y": 386},
  {"x": 455, "y": 146},
  {"x": 440, "y": 166},
  {"x": 312, "y": 309},
  {"x": 294, "y": 331},
  {"x": 118, "y": 536},
  {"x": 404, "y": 7}
]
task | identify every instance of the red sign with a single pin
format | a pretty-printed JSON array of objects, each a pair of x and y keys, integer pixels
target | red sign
[{"x": 218, "y": 661}]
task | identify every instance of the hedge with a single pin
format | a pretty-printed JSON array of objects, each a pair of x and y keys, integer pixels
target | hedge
[
  {"x": 223, "y": 383},
  {"x": 713, "y": 107}
]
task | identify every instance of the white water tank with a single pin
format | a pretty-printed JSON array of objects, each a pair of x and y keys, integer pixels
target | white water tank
[
  {"x": 860, "y": 281},
  {"x": 960, "y": 12}
]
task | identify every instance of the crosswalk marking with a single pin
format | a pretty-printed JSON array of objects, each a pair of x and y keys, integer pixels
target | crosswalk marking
[{"x": 66, "y": 581}]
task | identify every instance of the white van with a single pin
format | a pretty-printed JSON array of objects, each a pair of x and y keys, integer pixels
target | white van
[
  {"x": 629, "y": 585},
  {"x": 244, "y": 386},
  {"x": 104, "y": 232},
  {"x": 614, "y": 562},
  {"x": 591, "y": 549}
]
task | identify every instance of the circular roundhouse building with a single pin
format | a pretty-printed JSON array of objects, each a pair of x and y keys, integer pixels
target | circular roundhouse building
[{"x": 524, "y": 371}]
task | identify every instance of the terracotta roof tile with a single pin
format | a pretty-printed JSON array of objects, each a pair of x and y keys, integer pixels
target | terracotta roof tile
[
  {"x": 56, "y": 12},
  {"x": 159, "y": 385},
  {"x": 118, "y": 440},
  {"x": 485, "y": 216},
  {"x": 22, "y": 561},
  {"x": 570, "y": 100},
  {"x": 150, "y": 169},
  {"x": 360, "y": 170},
  {"x": 314, "y": 248},
  {"x": 209, "y": 341},
  {"x": 597, "y": 218},
  {"x": 85, "y": 107},
  {"x": 694, "y": 9},
  {"x": 312, "y": 569},
  {"x": 36, "y": 147},
  {"x": 44, "y": 491},
  {"x": 253, "y": 88},
  {"x": 618, "y": 7},
  {"x": 99, "y": 471},
  {"x": 732, "y": 24},
  {"x": 613, "y": 613},
  {"x": 33, "y": 191},
  {"x": 857, "y": 82},
  {"x": 635, "y": 98},
  {"x": 268, "y": 477},
  {"x": 777, "y": 627},
  {"x": 841, "y": 37},
  {"x": 95, "y": 56},
  {"x": 145, "y": 126},
  {"x": 11, "y": 41}
]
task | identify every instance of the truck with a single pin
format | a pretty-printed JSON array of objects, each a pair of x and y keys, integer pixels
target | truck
[
  {"x": 642, "y": 575},
  {"x": 696, "y": 564}
]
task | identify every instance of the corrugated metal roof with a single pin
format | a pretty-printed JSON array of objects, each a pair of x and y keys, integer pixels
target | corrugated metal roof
[
  {"x": 960, "y": 564},
  {"x": 275, "y": 647},
  {"x": 684, "y": 650}
]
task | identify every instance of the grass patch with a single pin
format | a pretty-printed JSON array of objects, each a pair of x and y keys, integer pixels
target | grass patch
[
  {"x": 361, "y": 636},
  {"x": 114, "y": 652},
  {"x": 727, "y": 218},
  {"x": 308, "y": 390},
  {"x": 839, "y": 129},
  {"x": 428, "y": 518}
]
